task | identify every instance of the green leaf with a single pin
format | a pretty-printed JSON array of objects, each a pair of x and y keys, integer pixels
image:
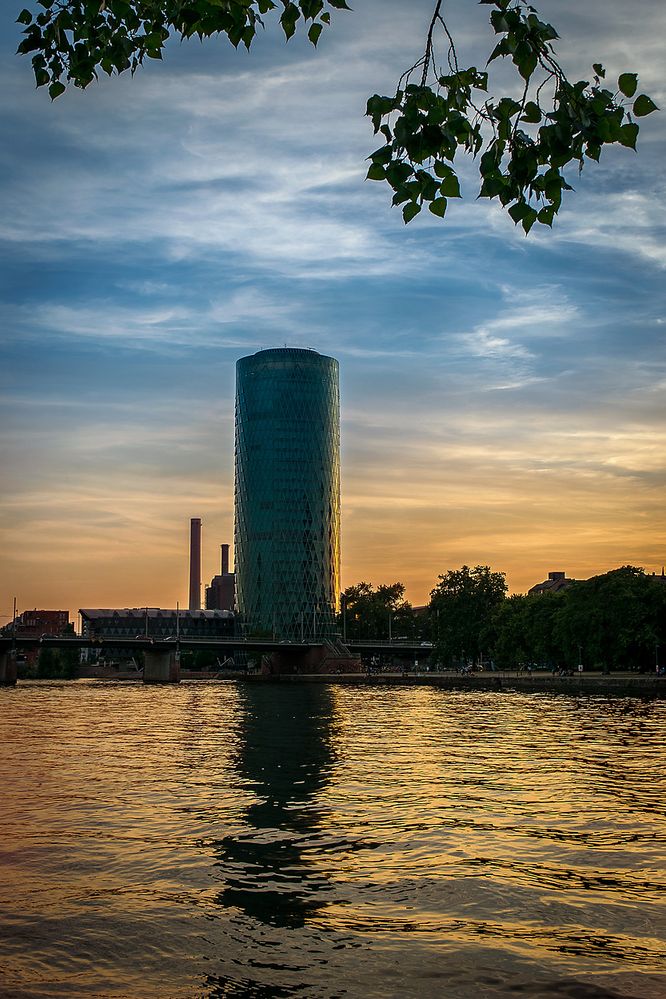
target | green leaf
[
  {"x": 314, "y": 33},
  {"x": 628, "y": 135},
  {"x": 380, "y": 105},
  {"x": 526, "y": 61},
  {"x": 438, "y": 207},
  {"x": 450, "y": 187},
  {"x": 519, "y": 211},
  {"x": 288, "y": 20},
  {"x": 56, "y": 89},
  {"x": 383, "y": 155},
  {"x": 501, "y": 49},
  {"x": 546, "y": 215},
  {"x": 599, "y": 70},
  {"x": 376, "y": 172},
  {"x": 529, "y": 219},
  {"x": 25, "y": 17},
  {"x": 532, "y": 113},
  {"x": 442, "y": 170},
  {"x": 627, "y": 84},
  {"x": 643, "y": 106},
  {"x": 400, "y": 196},
  {"x": 410, "y": 210},
  {"x": 397, "y": 173}
]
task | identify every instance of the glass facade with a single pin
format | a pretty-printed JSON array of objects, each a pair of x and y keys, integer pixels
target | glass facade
[{"x": 287, "y": 495}]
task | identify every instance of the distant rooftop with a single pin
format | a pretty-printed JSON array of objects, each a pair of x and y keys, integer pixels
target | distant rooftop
[
  {"x": 140, "y": 613},
  {"x": 556, "y": 581}
]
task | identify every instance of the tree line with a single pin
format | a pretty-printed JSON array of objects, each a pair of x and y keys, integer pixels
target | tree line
[{"x": 613, "y": 621}]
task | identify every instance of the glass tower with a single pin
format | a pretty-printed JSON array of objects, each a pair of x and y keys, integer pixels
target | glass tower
[{"x": 287, "y": 495}]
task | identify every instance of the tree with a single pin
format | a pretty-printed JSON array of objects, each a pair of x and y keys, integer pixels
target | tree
[
  {"x": 616, "y": 620},
  {"x": 613, "y": 621},
  {"x": 370, "y": 613},
  {"x": 526, "y": 630},
  {"x": 526, "y": 138},
  {"x": 462, "y": 606}
]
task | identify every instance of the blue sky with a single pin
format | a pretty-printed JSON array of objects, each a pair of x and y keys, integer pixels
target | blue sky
[{"x": 502, "y": 396}]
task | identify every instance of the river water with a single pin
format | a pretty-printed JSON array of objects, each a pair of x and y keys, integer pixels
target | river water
[{"x": 229, "y": 840}]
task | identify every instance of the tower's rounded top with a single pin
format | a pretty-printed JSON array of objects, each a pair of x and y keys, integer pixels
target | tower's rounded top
[
  {"x": 286, "y": 354},
  {"x": 288, "y": 351}
]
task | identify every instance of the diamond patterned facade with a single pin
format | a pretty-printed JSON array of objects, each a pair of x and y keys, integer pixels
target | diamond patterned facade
[{"x": 287, "y": 496}]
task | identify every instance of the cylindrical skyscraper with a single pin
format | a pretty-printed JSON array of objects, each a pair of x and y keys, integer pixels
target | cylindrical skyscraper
[{"x": 287, "y": 495}]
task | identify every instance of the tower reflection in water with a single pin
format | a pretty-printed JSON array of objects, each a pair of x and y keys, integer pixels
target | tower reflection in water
[{"x": 285, "y": 759}]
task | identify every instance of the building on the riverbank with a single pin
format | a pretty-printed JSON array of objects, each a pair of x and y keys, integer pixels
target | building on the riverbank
[
  {"x": 153, "y": 622},
  {"x": 36, "y": 623},
  {"x": 221, "y": 594},
  {"x": 287, "y": 493}
]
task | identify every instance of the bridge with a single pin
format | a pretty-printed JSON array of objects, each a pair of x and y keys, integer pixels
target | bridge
[{"x": 161, "y": 661}]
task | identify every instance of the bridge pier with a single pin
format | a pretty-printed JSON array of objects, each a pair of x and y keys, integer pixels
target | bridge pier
[
  {"x": 7, "y": 669},
  {"x": 317, "y": 659},
  {"x": 161, "y": 667}
]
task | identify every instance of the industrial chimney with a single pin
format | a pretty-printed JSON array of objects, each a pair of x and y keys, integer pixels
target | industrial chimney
[
  {"x": 195, "y": 563},
  {"x": 225, "y": 559}
]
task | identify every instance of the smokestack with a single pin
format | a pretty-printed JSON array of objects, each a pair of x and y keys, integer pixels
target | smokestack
[
  {"x": 195, "y": 563},
  {"x": 225, "y": 559}
]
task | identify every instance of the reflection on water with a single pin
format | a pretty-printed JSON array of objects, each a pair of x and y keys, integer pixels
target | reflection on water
[
  {"x": 216, "y": 840},
  {"x": 284, "y": 755}
]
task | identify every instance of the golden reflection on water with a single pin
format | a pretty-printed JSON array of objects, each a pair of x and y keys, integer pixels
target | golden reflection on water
[{"x": 281, "y": 840}]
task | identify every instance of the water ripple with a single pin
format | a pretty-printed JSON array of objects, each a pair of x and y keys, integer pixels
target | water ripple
[{"x": 219, "y": 840}]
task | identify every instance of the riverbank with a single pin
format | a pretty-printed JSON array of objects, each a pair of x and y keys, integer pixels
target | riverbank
[
  {"x": 582, "y": 684},
  {"x": 586, "y": 684}
]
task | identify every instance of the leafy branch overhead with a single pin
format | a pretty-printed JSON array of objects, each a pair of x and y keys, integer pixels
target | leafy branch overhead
[
  {"x": 73, "y": 39},
  {"x": 522, "y": 142}
]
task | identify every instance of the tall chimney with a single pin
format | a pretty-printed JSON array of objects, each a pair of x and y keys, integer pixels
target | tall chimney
[
  {"x": 225, "y": 559},
  {"x": 195, "y": 563}
]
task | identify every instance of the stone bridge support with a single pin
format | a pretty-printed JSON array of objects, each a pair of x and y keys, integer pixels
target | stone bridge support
[
  {"x": 7, "y": 669},
  {"x": 318, "y": 659},
  {"x": 161, "y": 667}
]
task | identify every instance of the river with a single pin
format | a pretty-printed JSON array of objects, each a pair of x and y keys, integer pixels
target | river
[{"x": 231, "y": 840}]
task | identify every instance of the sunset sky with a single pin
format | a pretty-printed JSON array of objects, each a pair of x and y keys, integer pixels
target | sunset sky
[{"x": 502, "y": 396}]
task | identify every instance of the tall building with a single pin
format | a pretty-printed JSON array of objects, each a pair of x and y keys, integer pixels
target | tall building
[{"x": 287, "y": 495}]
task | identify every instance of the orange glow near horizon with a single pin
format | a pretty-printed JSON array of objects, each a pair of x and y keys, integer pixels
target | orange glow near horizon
[{"x": 124, "y": 544}]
